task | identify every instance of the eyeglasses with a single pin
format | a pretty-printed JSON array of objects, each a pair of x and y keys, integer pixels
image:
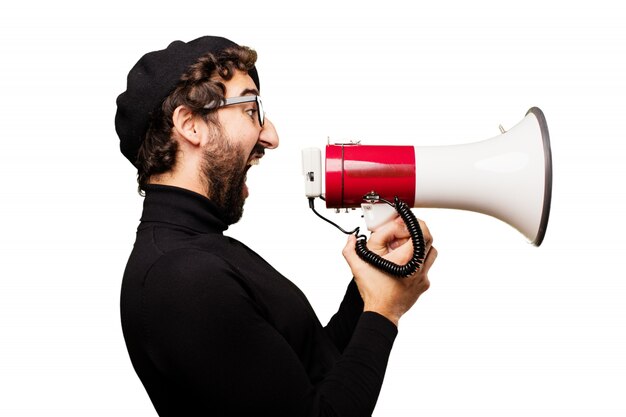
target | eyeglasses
[{"x": 238, "y": 100}]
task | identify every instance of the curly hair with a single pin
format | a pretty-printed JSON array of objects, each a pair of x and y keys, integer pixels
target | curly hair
[{"x": 200, "y": 85}]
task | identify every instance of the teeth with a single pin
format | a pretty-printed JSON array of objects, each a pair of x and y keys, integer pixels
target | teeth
[{"x": 254, "y": 161}]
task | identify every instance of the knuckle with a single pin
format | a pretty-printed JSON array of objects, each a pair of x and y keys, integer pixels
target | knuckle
[
  {"x": 434, "y": 252},
  {"x": 428, "y": 237}
]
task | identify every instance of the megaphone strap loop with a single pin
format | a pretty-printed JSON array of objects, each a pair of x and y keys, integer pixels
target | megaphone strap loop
[{"x": 417, "y": 238}]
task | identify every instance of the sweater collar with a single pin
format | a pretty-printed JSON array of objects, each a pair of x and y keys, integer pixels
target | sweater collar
[{"x": 181, "y": 207}]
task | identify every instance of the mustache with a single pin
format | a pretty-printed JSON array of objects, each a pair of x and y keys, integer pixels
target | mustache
[{"x": 257, "y": 152}]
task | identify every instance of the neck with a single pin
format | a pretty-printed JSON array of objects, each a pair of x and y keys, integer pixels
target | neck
[{"x": 181, "y": 181}]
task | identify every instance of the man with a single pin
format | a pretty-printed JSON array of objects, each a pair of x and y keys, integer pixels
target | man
[{"x": 211, "y": 328}]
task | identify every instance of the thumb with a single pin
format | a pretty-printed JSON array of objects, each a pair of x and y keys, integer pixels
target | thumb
[
  {"x": 349, "y": 251},
  {"x": 357, "y": 266}
]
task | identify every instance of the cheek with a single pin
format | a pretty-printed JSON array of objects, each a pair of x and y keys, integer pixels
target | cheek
[
  {"x": 246, "y": 138},
  {"x": 241, "y": 133}
]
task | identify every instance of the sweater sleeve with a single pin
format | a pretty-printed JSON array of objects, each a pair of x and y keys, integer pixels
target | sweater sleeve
[
  {"x": 211, "y": 341},
  {"x": 341, "y": 326}
]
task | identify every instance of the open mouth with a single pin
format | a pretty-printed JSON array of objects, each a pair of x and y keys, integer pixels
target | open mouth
[
  {"x": 255, "y": 157},
  {"x": 254, "y": 160}
]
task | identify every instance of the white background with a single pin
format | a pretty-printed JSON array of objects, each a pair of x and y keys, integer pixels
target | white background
[{"x": 506, "y": 329}]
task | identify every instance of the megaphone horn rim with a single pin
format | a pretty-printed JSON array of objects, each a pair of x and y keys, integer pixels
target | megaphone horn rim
[{"x": 547, "y": 153}]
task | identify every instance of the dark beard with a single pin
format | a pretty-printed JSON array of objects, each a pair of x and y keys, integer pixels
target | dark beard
[{"x": 224, "y": 172}]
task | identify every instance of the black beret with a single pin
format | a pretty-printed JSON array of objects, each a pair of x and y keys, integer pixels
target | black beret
[{"x": 151, "y": 80}]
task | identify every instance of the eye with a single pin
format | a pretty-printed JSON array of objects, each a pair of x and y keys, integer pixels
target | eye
[{"x": 252, "y": 113}]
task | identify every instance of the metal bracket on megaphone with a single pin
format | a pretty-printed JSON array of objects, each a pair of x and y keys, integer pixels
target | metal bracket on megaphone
[{"x": 377, "y": 211}]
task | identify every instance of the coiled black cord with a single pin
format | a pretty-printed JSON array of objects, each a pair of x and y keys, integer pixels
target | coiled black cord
[{"x": 417, "y": 238}]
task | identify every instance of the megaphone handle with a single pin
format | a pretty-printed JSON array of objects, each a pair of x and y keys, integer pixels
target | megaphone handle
[{"x": 417, "y": 238}]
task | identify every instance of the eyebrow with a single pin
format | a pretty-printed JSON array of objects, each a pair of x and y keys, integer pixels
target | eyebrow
[{"x": 250, "y": 91}]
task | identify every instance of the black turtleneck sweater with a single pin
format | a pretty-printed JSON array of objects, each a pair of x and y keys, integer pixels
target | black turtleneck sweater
[{"x": 213, "y": 329}]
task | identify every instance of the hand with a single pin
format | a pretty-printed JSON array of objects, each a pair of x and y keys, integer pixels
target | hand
[{"x": 382, "y": 293}]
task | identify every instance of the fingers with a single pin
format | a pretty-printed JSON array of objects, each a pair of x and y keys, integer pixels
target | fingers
[
  {"x": 420, "y": 278},
  {"x": 402, "y": 254},
  {"x": 431, "y": 255},
  {"x": 388, "y": 237},
  {"x": 428, "y": 238},
  {"x": 403, "y": 246},
  {"x": 430, "y": 251},
  {"x": 402, "y": 249}
]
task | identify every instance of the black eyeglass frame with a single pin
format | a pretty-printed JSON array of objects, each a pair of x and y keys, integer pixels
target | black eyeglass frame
[{"x": 238, "y": 100}]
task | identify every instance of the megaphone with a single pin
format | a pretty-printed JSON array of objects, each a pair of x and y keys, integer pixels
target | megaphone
[{"x": 508, "y": 177}]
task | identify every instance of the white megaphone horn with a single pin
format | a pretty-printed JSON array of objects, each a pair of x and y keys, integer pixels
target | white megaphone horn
[{"x": 508, "y": 177}]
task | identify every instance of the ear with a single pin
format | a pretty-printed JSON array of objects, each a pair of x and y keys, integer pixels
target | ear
[{"x": 186, "y": 125}]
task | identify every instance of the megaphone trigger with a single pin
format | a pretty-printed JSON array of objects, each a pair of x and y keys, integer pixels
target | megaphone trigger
[{"x": 377, "y": 214}]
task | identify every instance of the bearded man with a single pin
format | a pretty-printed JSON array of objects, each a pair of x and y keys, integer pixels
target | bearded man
[{"x": 211, "y": 328}]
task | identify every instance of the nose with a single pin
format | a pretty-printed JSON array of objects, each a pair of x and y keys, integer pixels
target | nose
[{"x": 268, "y": 136}]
